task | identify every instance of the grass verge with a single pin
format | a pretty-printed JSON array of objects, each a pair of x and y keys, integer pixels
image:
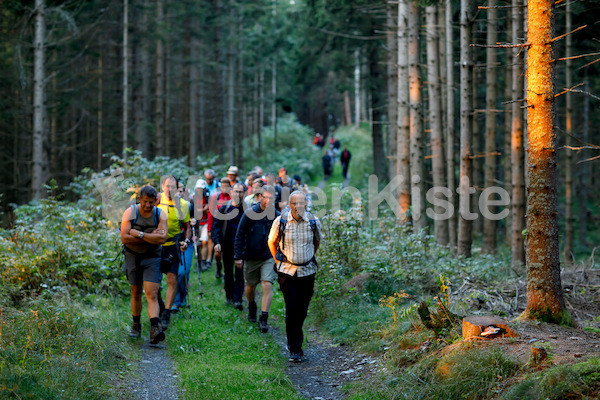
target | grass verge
[{"x": 220, "y": 355}]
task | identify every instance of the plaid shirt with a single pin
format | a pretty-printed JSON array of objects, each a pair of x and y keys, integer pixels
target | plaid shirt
[{"x": 298, "y": 247}]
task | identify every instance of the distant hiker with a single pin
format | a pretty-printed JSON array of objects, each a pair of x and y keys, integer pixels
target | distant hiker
[
  {"x": 327, "y": 164},
  {"x": 178, "y": 239},
  {"x": 345, "y": 160},
  {"x": 293, "y": 242},
  {"x": 271, "y": 180},
  {"x": 212, "y": 185},
  {"x": 252, "y": 198},
  {"x": 303, "y": 187},
  {"x": 225, "y": 226},
  {"x": 252, "y": 252},
  {"x": 143, "y": 231},
  {"x": 286, "y": 187},
  {"x": 185, "y": 258},
  {"x": 201, "y": 203},
  {"x": 217, "y": 200},
  {"x": 232, "y": 174}
]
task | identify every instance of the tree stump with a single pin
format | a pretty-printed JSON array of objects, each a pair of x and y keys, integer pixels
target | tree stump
[{"x": 489, "y": 327}]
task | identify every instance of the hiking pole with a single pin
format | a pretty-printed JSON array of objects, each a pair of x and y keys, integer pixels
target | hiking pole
[{"x": 198, "y": 268}]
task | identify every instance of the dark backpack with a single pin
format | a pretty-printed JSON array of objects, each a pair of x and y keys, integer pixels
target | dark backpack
[{"x": 134, "y": 220}]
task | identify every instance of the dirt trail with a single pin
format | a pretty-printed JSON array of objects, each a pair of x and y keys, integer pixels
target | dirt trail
[
  {"x": 327, "y": 366},
  {"x": 158, "y": 378}
]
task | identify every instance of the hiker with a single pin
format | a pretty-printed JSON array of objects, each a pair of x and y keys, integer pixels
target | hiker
[
  {"x": 271, "y": 180},
  {"x": 252, "y": 198},
  {"x": 211, "y": 183},
  {"x": 345, "y": 160},
  {"x": 217, "y": 200},
  {"x": 232, "y": 174},
  {"x": 286, "y": 187},
  {"x": 201, "y": 203},
  {"x": 143, "y": 231},
  {"x": 178, "y": 239},
  {"x": 185, "y": 259},
  {"x": 252, "y": 253},
  {"x": 327, "y": 160},
  {"x": 303, "y": 187},
  {"x": 225, "y": 226},
  {"x": 293, "y": 242}
]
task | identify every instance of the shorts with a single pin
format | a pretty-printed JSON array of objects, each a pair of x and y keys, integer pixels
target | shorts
[
  {"x": 203, "y": 232},
  {"x": 256, "y": 271},
  {"x": 145, "y": 270},
  {"x": 170, "y": 259}
]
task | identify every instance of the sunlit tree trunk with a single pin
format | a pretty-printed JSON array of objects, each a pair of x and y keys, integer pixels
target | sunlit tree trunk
[
  {"x": 517, "y": 155},
  {"x": 489, "y": 225},
  {"x": 435, "y": 122},
  {"x": 568, "y": 250},
  {"x": 39, "y": 104},
  {"x": 160, "y": 79},
  {"x": 544, "y": 291},
  {"x": 450, "y": 131},
  {"x": 466, "y": 126},
  {"x": 392, "y": 86},
  {"x": 417, "y": 145},
  {"x": 403, "y": 114}
]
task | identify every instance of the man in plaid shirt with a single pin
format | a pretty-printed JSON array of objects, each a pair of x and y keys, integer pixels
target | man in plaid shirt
[{"x": 293, "y": 241}]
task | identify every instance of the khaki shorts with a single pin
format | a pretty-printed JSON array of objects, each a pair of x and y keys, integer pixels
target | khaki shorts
[
  {"x": 203, "y": 234},
  {"x": 256, "y": 271}
]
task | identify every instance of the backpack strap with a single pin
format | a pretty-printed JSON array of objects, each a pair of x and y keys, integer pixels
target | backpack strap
[
  {"x": 135, "y": 210},
  {"x": 156, "y": 216},
  {"x": 283, "y": 223}
]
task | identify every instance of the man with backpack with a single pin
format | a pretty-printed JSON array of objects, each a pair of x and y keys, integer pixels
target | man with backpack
[
  {"x": 293, "y": 242},
  {"x": 225, "y": 225},
  {"x": 143, "y": 231},
  {"x": 251, "y": 252}
]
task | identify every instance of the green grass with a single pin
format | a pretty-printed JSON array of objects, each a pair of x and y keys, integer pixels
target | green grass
[
  {"x": 220, "y": 355},
  {"x": 64, "y": 349}
]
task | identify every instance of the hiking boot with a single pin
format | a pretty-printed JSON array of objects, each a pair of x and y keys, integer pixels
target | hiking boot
[
  {"x": 295, "y": 356},
  {"x": 165, "y": 320},
  {"x": 229, "y": 302},
  {"x": 218, "y": 275},
  {"x": 136, "y": 330},
  {"x": 252, "y": 312},
  {"x": 262, "y": 324},
  {"x": 238, "y": 306},
  {"x": 156, "y": 335}
]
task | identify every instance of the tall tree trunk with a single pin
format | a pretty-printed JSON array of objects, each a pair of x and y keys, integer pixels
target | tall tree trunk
[
  {"x": 274, "y": 99},
  {"x": 568, "y": 250},
  {"x": 99, "y": 113},
  {"x": 450, "y": 125},
  {"x": 125, "y": 75},
  {"x": 435, "y": 123},
  {"x": 347, "y": 109},
  {"x": 544, "y": 291},
  {"x": 140, "y": 84},
  {"x": 517, "y": 155},
  {"x": 466, "y": 126},
  {"x": 261, "y": 111},
  {"x": 584, "y": 179},
  {"x": 202, "y": 99},
  {"x": 242, "y": 125},
  {"x": 357, "y": 95},
  {"x": 403, "y": 147},
  {"x": 417, "y": 145},
  {"x": 230, "y": 114},
  {"x": 193, "y": 92},
  {"x": 160, "y": 82},
  {"x": 39, "y": 161},
  {"x": 508, "y": 128},
  {"x": 392, "y": 86},
  {"x": 377, "y": 102},
  {"x": 489, "y": 225}
]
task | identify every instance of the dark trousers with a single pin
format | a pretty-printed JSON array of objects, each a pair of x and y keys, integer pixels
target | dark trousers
[
  {"x": 234, "y": 277},
  {"x": 345, "y": 169},
  {"x": 297, "y": 293}
]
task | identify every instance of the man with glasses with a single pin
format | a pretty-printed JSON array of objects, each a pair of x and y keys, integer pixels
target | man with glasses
[{"x": 251, "y": 252}]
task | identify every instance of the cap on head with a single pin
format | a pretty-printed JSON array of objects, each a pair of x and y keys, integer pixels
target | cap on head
[
  {"x": 201, "y": 184},
  {"x": 233, "y": 170}
]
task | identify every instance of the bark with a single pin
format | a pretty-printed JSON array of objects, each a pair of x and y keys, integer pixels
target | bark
[
  {"x": 417, "y": 150},
  {"x": 357, "y": 95},
  {"x": 261, "y": 111},
  {"x": 489, "y": 225},
  {"x": 274, "y": 99},
  {"x": 242, "y": 120},
  {"x": 584, "y": 179},
  {"x": 377, "y": 103},
  {"x": 508, "y": 129},
  {"x": 140, "y": 90},
  {"x": 99, "y": 112},
  {"x": 160, "y": 82},
  {"x": 230, "y": 113},
  {"x": 544, "y": 292},
  {"x": 39, "y": 162},
  {"x": 450, "y": 127},
  {"x": 403, "y": 114},
  {"x": 435, "y": 123},
  {"x": 568, "y": 250},
  {"x": 392, "y": 86},
  {"x": 193, "y": 93},
  {"x": 517, "y": 155},
  {"x": 347, "y": 109},
  {"x": 466, "y": 125},
  {"x": 125, "y": 60}
]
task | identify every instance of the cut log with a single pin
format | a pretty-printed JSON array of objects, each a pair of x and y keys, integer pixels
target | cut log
[{"x": 489, "y": 327}]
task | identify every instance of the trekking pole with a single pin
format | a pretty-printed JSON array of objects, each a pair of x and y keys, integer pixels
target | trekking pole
[{"x": 198, "y": 268}]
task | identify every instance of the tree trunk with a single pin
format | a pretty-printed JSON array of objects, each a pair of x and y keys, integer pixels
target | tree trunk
[
  {"x": 489, "y": 225},
  {"x": 466, "y": 125},
  {"x": 568, "y": 250},
  {"x": 160, "y": 81},
  {"x": 517, "y": 155},
  {"x": 38, "y": 171},
  {"x": 274, "y": 100},
  {"x": 508, "y": 128},
  {"x": 544, "y": 291},
  {"x": 125, "y": 75},
  {"x": 403, "y": 114},
  {"x": 377, "y": 103},
  {"x": 435, "y": 123},
  {"x": 230, "y": 114},
  {"x": 450, "y": 126},
  {"x": 99, "y": 116},
  {"x": 357, "y": 96},
  {"x": 193, "y": 92},
  {"x": 417, "y": 168},
  {"x": 261, "y": 111},
  {"x": 584, "y": 179},
  {"x": 347, "y": 109},
  {"x": 140, "y": 87},
  {"x": 392, "y": 86},
  {"x": 242, "y": 124}
]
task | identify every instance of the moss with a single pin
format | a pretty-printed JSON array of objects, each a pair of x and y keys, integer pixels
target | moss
[{"x": 561, "y": 317}]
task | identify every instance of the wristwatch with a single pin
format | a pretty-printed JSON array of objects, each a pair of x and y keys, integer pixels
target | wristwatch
[
  {"x": 141, "y": 235},
  {"x": 188, "y": 241}
]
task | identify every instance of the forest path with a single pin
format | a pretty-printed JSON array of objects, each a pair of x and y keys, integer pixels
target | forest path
[{"x": 158, "y": 377}]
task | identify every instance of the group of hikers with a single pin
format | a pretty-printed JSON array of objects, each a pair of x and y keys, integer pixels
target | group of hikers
[
  {"x": 331, "y": 155},
  {"x": 256, "y": 231}
]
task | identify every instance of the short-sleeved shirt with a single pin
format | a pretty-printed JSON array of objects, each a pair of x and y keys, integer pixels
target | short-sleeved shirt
[
  {"x": 298, "y": 247},
  {"x": 176, "y": 214}
]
